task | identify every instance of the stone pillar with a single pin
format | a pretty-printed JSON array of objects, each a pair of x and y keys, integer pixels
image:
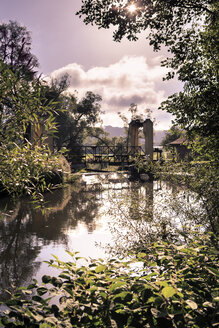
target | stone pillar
[
  {"x": 148, "y": 134},
  {"x": 134, "y": 137}
]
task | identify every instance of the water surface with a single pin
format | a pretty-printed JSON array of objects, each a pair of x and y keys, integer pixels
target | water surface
[{"x": 101, "y": 209}]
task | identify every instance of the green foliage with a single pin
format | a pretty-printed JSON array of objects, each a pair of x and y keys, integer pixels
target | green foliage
[
  {"x": 202, "y": 178},
  {"x": 145, "y": 165},
  {"x": 164, "y": 286},
  {"x": 189, "y": 30},
  {"x": 23, "y": 164},
  {"x": 75, "y": 118},
  {"x": 197, "y": 107},
  {"x": 27, "y": 170},
  {"x": 22, "y": 104},
  {"x": 173, "y": 133}
]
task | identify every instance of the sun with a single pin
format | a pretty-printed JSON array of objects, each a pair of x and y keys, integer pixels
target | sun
[{"x": 132, "y": 8}]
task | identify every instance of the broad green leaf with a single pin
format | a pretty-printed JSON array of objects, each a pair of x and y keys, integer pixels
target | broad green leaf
[
  {"x": 100, "y": 268},
  {"x": 117, "y": 285},
  {"x": 168, "y": 291}
]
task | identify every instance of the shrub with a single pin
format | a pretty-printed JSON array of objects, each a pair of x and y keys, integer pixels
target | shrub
[{"x": 164, "y": 286}]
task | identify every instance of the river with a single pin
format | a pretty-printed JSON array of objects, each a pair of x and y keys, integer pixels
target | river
[{"x": 101, "y": 215}]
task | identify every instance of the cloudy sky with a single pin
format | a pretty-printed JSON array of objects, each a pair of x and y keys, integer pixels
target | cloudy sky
[{"x": 122, "y": 73}]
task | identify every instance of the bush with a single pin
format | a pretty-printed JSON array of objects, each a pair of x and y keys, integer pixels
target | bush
[
  {"x": 164, "y": 286},
  {"x": 27, "y": 170},
  {"x": 25, "y": 160}
]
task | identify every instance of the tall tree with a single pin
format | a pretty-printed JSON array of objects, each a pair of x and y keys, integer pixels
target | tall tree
[
  {"x": 189, "y": 30},
  {"x": 75, "y": 120},
  {"x": 15, "y": 49}
]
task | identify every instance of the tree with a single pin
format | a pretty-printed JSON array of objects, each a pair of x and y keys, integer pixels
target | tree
[
  {"x": 15, "y": 49},
  {"x": 189, "y": 30},
  {"x": 75, "y": 121},
  {"x": 172, "y": 134}
]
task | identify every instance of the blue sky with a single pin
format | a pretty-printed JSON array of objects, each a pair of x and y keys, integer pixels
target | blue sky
[{"x": 121, "y": 73}]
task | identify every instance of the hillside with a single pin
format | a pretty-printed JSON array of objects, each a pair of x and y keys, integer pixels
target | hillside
[{"x": 115, "y": 131}]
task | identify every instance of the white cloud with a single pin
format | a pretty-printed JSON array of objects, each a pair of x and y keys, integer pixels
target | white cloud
[{"x": 130, "y": 80}]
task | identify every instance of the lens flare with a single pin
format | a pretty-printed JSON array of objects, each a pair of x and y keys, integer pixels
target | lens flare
[{"x": 132, "y": 8}]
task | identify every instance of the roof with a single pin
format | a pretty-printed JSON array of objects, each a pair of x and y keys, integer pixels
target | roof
[{"x": 180, "y": 141}]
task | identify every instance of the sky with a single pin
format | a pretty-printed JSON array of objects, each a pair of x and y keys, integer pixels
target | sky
[{"x": 121, "y": 72}]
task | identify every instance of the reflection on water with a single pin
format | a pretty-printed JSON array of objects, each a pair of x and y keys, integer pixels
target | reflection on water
[{"x": 100, "y": 209}]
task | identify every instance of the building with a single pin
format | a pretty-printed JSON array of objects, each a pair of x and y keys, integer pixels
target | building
[{"x": 180, "y": 149}]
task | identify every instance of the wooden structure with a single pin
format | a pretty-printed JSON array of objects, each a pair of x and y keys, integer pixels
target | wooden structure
[{"x": 180, "y": 149}]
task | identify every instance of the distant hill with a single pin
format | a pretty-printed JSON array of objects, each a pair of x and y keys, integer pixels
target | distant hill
[
  {"x": 158, "y": 136},
  {"x": 115, "y": 131}
]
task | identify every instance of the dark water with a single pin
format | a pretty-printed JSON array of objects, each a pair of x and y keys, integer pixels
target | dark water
[{"x": 100, "y": 209}]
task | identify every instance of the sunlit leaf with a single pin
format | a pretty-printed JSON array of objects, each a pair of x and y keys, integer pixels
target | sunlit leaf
[
  {"x": 192, "y": 304},
  {"x": 100, "y": 268},
  {"x": 168, "y": 292}
]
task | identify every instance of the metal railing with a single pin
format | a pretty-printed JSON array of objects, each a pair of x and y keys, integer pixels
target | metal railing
[{"x": 112, "y": 155}]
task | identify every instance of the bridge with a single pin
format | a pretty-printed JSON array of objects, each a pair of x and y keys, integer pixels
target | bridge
[
  {"x": 121, "y": 154},
  {"x": 111, "y": 155}
]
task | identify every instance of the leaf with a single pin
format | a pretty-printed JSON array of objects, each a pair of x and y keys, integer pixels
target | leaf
[
  {"x": 208, "y": 304},
  {"x": 64, "y": 276},
  {"x": 69, "y": 291},
  {"x": 45, "y": 279},
  {"x": 146, "y": 294},
  {"x": 213, "y": 271},
  {"x": 155, "y": 312},
  {"x": 103, "y": 294},
  {"x": 41, "y": 291},
  {"x": 31, "y": 286},
  {"x": 124, "y": 296},
  {"x": 37, "y": 298},
  {"x": 168, "y": 291},
  {"x": 117, "y": 285},
  {"x": 37, "y": 317},
  {"x": 27, "y": 292},
  {"x": 141, "y": 255},
  {"x": 192, "y": 304},
  {"x": 63, "y": 299},
  {"x": 100, "y": 268},
  {"x": 181, "y": 248}
]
